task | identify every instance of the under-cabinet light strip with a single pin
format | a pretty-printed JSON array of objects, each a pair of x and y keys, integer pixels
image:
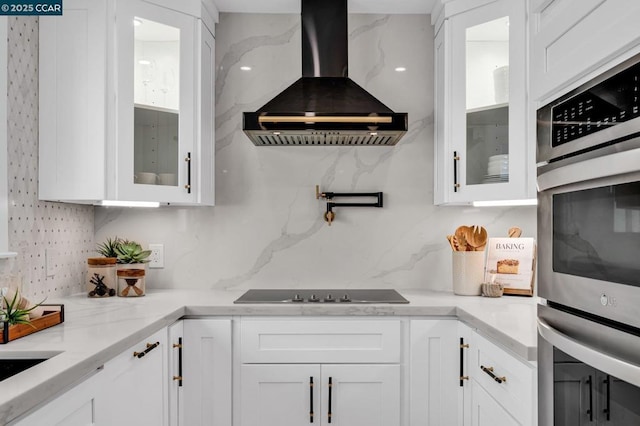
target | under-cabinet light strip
[
  {"x": 506, "y": 203},
  {"x": 115, "y": 203}
]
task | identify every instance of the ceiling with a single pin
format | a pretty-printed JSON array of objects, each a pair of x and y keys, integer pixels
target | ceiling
[{"x": 355, "y": 6}]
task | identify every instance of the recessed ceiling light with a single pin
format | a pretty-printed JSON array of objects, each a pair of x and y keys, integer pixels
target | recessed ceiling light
[
  {"x": 137, "y": 22},
  {"x": 245, "y": 68},
  {"x": 144, "y": 62},
  {"x": 401, "y": 69}
]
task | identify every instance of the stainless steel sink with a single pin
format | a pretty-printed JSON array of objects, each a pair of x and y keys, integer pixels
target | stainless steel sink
[
  {"x": 12, "y": 363},
  {"x": 11, "y": 367}
]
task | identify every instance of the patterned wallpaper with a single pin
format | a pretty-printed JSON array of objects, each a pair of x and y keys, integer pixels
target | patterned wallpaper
[{"x": 38, "y": 229}]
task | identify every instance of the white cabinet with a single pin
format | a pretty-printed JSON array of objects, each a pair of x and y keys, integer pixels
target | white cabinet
[
  {"x": 83, "y": 405},
  {"x": 482, "y": 147},
  {"x": 572, "y": 38},
  {"x": 136, "y": 389},
  {"x": 175, "y": 364},
  {"x": 206, "y": 372},
  {"x": 498, "y": 387},
  {"x": 433, "y": 366},
  {"x": 127, "y": 101},
  {"x": 283, "y": 395},
  {"x": 338, "y": 394},
  {"x": 320, "y": 340},
  {"x": 129, "y": 389},
  {"x": 486, "y": 410},
  {"x": 364, "y": 394},
  {"x": 324, "y": 371}
]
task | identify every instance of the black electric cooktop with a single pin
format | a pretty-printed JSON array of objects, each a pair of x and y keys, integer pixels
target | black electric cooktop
[{"x": 321, "y": 296}]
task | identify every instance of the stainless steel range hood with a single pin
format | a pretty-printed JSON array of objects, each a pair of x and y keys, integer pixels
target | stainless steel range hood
[{"x": 324, "y": 107}]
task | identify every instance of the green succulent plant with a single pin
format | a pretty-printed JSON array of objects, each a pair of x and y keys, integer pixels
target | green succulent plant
[
  {"x": 11, "y": 313},
  {"x": 109, "y": 247},
  {"x": 131, "y": 252}
]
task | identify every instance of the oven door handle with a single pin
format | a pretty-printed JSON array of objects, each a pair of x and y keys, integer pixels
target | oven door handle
[
  {"x": 615, "y": 366},
  {"x": 594, "y": 168}
]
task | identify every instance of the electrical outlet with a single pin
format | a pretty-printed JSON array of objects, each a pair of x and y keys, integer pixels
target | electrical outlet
[
  {"x": 51, "y": 259},
  {"x": 156, "y": 260}
]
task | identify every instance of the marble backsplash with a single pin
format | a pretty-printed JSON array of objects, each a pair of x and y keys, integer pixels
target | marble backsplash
[{"x": 266, "y": 229}]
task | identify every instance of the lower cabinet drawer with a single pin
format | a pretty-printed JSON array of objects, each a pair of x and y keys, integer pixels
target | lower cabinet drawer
[
  {"x": 305, "y": 341},
  {"x": 509, "y": 381}
]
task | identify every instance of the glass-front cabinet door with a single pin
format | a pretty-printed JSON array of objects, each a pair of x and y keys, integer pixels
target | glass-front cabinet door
[
  {"x": 156, "y": 122},
  {"x": 485, "y": 135}
]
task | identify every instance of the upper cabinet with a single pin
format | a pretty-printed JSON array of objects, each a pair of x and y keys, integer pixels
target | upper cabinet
[
  {"x": 572, "y": 38},
  {"x": 127, "y": 102},
  {"x": 483, "y": 148}
]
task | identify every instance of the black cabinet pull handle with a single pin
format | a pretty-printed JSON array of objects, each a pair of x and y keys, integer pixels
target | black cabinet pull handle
[
  {"x": 150, "y": 347},
  {"x": 178, "y": 346},
  {"x": 329, "y": 410},
  {"x": 489, "y": 371},
  {"x": 607, "y": 409},
  {"x": 188, "y": 185},
  {"x": 311, "y": 399},
  {"x": 590, "y": 410},
  {"x": 463, "y": 346},
  {"x": 456, "y": 159}
]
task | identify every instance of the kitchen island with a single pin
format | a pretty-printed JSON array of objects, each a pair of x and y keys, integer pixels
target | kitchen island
[{"x": 97, "y": 330}]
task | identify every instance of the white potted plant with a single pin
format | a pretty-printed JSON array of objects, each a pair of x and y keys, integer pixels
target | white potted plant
[{"x": 132, "y": 266}]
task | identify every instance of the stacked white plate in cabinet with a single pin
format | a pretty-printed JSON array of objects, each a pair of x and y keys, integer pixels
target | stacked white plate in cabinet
[{"x": 497, "y": 169}]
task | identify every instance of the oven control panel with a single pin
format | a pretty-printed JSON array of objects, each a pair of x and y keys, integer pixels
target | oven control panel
[{"x": 610, "y": 102}]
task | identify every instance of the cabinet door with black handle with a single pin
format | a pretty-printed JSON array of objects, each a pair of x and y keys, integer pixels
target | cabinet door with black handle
[
  {"x": 320, "y": 394},
  {"x": 360, "y": 395},
  {"x": 135, "y": 383},
  {"x": 575, "y": 395},
  {"x": 280, "y": 394}
]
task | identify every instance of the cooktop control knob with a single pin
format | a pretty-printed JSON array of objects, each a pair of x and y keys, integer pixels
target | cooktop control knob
[
  {"x": 297, "y": 298},
  {"x": 313, "y": 298},
  {"x": 345, "y": 298},
  {"x": 329, "y": 298}
]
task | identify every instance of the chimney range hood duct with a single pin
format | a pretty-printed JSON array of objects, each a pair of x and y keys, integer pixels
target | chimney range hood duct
[{"x": 324, "y": 107}]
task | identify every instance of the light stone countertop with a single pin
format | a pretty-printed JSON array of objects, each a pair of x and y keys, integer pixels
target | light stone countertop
[{"x": 96, "y": 330}]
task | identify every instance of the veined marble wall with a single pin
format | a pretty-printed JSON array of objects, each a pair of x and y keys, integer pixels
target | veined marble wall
[{"x": 266, "y": 229}]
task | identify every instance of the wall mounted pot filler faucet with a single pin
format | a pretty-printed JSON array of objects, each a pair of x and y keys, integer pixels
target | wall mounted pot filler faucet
[{"x": 329, "y": 215}]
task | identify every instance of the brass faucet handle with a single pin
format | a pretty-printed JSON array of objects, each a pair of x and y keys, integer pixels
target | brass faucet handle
[
  {"x": 329, "y": 216},
  {"x": 318, "y": 193}
]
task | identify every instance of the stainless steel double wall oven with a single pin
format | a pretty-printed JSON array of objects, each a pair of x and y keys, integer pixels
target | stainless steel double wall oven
[{"x": 589, "y": 252}]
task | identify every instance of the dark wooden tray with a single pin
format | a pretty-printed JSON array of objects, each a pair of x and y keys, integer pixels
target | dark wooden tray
[{"x": 53, "y": 315}]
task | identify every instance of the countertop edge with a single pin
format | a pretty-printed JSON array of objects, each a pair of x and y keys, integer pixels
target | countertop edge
[
  {"x": 77, "y": 365},
  {"x": 528, "y": 353}
]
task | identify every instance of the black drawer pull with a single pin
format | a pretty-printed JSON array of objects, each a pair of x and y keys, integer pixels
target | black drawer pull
[
  {"x": 178, "y": 346},
  {"x": 456, "y": 159},
  {"x": 311, "y": 399},
  {"x": 590, "y": 410},
  {"x": 188, "y": 185},
  {"x": 489, "y": 371},
  {"x": 150, "y": 347},
  {"x": 463, "y": 346},
  {"x": 329, "y": 413}
]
